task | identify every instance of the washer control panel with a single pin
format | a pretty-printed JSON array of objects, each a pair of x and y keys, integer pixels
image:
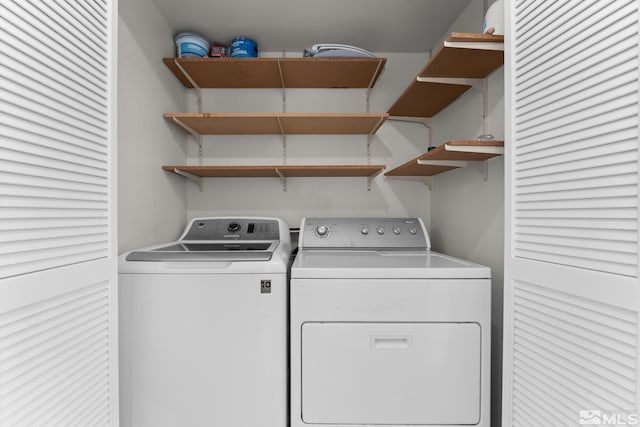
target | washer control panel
[
  {"x": 376, "y": 233},
  {"x": 232, "y": 229}
]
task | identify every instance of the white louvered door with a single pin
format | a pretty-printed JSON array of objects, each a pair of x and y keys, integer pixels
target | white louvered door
[
  {"x": 58, "y": 335},
  {"x": 572, "y": 297}
]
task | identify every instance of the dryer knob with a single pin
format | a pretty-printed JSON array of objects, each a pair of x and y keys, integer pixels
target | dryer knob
[
  {"x": 412, "y": 230},
  {"x": 322, "y": 231},
  {"x": 364, "y": 230},
  {"x": 396, "y": 230},
  {"x": 233, "y": 227},
  {"x": 380, "y": 230}
]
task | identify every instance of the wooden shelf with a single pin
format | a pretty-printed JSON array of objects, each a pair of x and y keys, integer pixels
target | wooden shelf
[
  {"x": 422, "y": 99},
  {"x": 279, "y": 171},
  {"x": 277, "y": 123},
  {"x": 277, "y": 72},
  {"x": 456, "y": 60},
  {"x": 463, "y": 56},
  {"x": 448, "y": 156}
]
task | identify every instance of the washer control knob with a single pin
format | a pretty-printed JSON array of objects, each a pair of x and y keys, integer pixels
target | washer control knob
[
  {"x": 233, "y": 227},
  {"x": 380, "y": 230},
  {"x": 396, "y": 230},
  {"x": 364, "y": 230},
  {"x": 413, "y": 230},
  {"x": 322, "y": 231}
]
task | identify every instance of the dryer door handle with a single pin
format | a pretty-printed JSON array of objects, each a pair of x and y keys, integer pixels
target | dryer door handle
[{"x": 390, "y": 340}]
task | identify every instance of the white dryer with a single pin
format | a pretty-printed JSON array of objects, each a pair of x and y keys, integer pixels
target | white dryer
[
  {"x": 384, "y": 331},
  {"x": 203, "y": 327}
]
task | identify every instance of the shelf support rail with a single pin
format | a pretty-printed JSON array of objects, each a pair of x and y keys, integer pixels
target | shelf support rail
[
  {"x": 284, "y": 141},
  {"x": 369, "y": 179},
  {"x": 190, "y": 177},
  {"x": 485, "y": 107}
]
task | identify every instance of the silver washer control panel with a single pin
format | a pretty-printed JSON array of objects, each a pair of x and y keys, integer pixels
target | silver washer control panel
[
  {"x": 232, "y": 229},
  {"x": 375, "y": 233}
]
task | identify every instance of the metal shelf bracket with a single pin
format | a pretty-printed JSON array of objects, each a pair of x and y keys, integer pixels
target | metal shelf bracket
[
  {"x": 425, "y": 121},
  {"x": 475, "y": 45},
  {"x": 484, "y": 149},
  {"x": 451, "y": 163},
  {"x": 283, "y": 177},
  {"x": 193, "y": 83},
  {"x": 477, "y": 83},
  {"x": 428, "y": 181},
  {"x": 190, "y": 177}
]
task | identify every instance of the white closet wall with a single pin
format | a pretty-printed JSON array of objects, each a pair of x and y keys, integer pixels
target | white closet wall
[
  {"x": 152, "y": 205},
  {"x": 467, "y": 213},
  {"x": 393, "y": 144}
]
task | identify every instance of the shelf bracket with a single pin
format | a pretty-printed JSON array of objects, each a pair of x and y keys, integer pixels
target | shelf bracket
[
  {"x": 481, "y": 165},
  {"x": 190, "y": 177},
  {"x": 428, "y": 181},
  {"x": 475, "y": 45},
  {"x": 195, "y": 134},
  {"x": 425, "y": 121},
  {"x": 280, "y": 72},
  {"x": 375, "y": 75},
  {"x": 193, "y": 83},
  {"x": 283, "y": 177},
  {"x": 450, "y": 163},
  {"x": 483, "y": 149},
  {"x": 484, "y": 170},
  {"x": 186, "y": 127},
  {"x": 477, "y": 83}
]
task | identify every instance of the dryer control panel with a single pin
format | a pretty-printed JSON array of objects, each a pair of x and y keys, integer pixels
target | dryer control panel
[{"x": 364, "y": 233}]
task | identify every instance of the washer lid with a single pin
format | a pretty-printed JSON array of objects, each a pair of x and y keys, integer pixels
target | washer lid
[
  {"x": 207, "y": 251},
  {"x": 364, "y": 264}
]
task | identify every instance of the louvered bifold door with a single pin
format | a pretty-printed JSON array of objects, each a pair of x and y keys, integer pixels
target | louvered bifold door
[
  {"x": 571, "y": 262},
  {"x": 58, "y": 274}
]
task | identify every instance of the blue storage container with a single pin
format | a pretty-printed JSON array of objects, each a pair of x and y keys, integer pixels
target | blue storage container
[{"x": 243, "y": 47}]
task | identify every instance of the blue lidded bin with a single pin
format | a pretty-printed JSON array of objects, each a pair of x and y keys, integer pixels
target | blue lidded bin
[
  {"x": 191, "y": 45},
  {"x": 243, "y": 47}
]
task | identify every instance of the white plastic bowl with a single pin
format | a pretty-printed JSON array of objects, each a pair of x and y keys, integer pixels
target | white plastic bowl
[{"x": 191, "y": 45}]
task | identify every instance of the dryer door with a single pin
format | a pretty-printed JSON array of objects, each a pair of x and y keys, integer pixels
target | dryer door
[{"x": 391, "y": 373}]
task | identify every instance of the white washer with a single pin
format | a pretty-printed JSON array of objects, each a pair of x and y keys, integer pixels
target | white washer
[
  {"x": 384, "y": 331},
  {"x": 203, "y": 327}
]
